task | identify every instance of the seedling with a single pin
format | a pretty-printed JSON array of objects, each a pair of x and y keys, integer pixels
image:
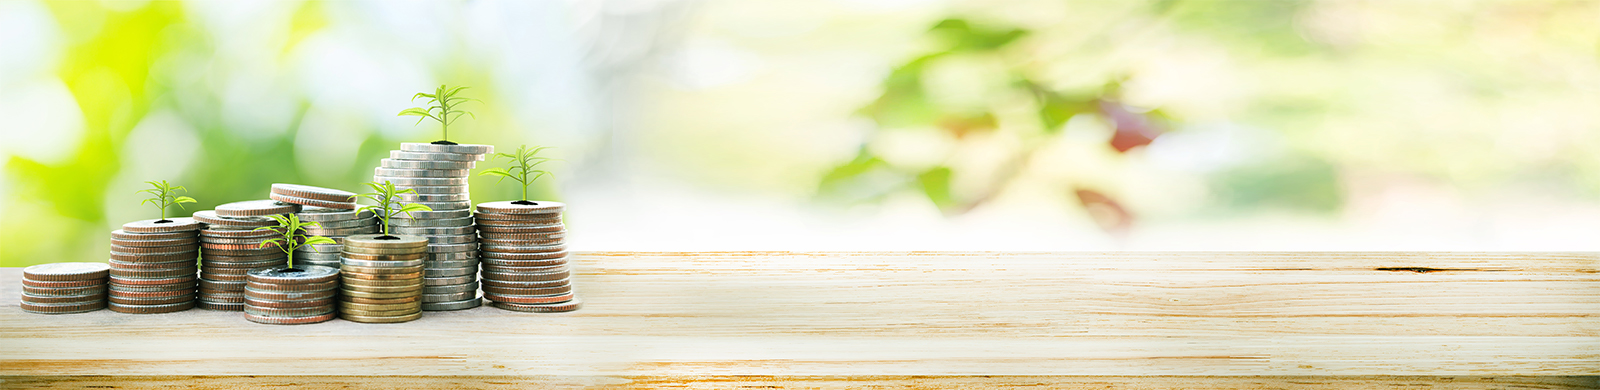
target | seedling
[
  {"x": 293, "y": 237},
  {"x": 444, "y": 109},
  {"x": 388, "y": 205},
  {"x": 166, "y": 196},
  {"x": 523, "y": 163}
]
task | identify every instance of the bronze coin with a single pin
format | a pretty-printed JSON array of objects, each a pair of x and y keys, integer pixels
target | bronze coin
[
  {"x": 152, "y": 309},
  {"x": 498, "y": 269},
  {"x": 294, "y": 288},
  {"x": 574, "y": 304},
  {"x": 138, "y": 265},
  {"x": 353, "y": 283},
  {"x": 255, "y": 208},
  {"x": 222, "y": 296},
  {"x": 213, "y": 275},
  {"x": 401, "y": 257},
  {"x": 65, "y": 283},
  {"x": 153, "y": 243},
  {"x": 380, "y": 319},
  {"x": 271, "y": 232},
  {"x": 125, "y": 235},
  {"x": 310, "y": 192},
  {"x": 497, "y": 283},
  {"x": 242, "y": 248},
  {"x": 159, "y": 250},
  {"x": 521, "y": 248},
  {"x": 219, "y": 306},
  {"x": 65, "y": 272},
  {"x": 381, "y": 270},
  {"x": 501, "y": 240},
  {"x": 264, "y": 252},
  {"x": 153, "y": 281},
  {"x": 64, "y": 291},
  {"x": 288, "y": 296},
  {"x": 153, "y": 294},
  {"x": 150, "y": 301},
  {"x": 490, "y": 263},
  {"x": 297, "y": 312},
  {"x": 222, "y": 285},
  {"x": 187, "y": 269},
  {"x": 561, "y": 254},
  {"x": 275, "y": 255},
  {"x": 488, "y": 223},
  {"x": 312, "y": 202},
  {"x": 381, "y": 313},
  {"x": 366, "y": 276},
  {"x": 515, "y": 220},
  {"x": 524, "y": 229},
  {"x": 136, "y": 258},
  {"x": 381, "y": 301},
  {"x": 290, "y": 320},
  {"x": 45, "y": 299},
  {"x": 190, "y": 285},
  {"x": 530, "y": 299},
  {"x": 253, "y": 242},
  {"x": 327, "y": 301},
  {"x": 527, "y": 291},
  {"x": 527, "y": 277},
  {"x": 509, "y": 207},
  {"x": 157, "y": 226},
  {"x": 67, "y": 308}
]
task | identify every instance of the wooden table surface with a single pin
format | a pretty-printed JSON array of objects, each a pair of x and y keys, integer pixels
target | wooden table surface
[{"x": 917, "y": 319}]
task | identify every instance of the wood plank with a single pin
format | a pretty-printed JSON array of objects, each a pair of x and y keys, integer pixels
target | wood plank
[
  {"x": 760, "y": 382},
  {"x": 845, "y": 315}
]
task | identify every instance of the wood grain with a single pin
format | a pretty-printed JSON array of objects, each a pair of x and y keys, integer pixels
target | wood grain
[
  {"x": 763, "y": 382},
  {"x": 883, "y": 315}
]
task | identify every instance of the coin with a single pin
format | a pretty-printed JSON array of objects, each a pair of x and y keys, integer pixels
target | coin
[
  {"x": 151, "y": 281},
  {"x": 572, "y": 305},
  {"x": 559, "y": 254},
  {"x": 435, "y": 222},
  {"x": 44, "y": 299},
  {"x": 258, "y": 233},
  {"x": 66, "y": 272},
  {"x": 425, "y": 156},
  {"x": 447, "y": 297},
  {"x": 64, "y": 283},
  {"x": 145, "y": 257},
  {"x": 381, "y": 313},
  {"x": 471, "y": 286},
  {"x": 351, "y": 223},
  {"x": 560, "y": 273},
  {"x": 438, "y": 214},
  {"x": 158, "y": 226},
  {"x": 219, "y": 305},
  {"x": 290, "y": 320},
  {"x": 155, "y": 294},
  {"x": 361, "y": 243},
  {"x": 433, "y": 197},
  {"x": 416, "y": 164},
  {"x": 452, "y": 239},
  {"x": 351, "y": 205},
  {"x": 446, "y": 272},
  {"x": 383, "y": 263},
  {"x": 394, "y": 257},
  {"x": 211, "y": 217},
  {"x": 523, "y": 248},
  {"x": 323, "y": 248},
  {"x": 257, "y": 241},
  {"x": 452, "y": 305},
  {"x": 528, "y": 291},
  {"x": 118, "y": 288},
  {"x": 452, "y": 256},
  {"x": 521, "y": 219},
  {"x": 262, "y": 291},
  {"x": 155, "y": 273},
  {"x": 417, "y": 230},
  {"x": 511, "y": 207},
  {"x": 299, "y": 275},
  {"x": 126, "y": 300},
  {"x": 499, "y": 269},
  {"x": 439, "y": 248},
  {"x": 285, "y": 312},
  {"x": 350, "y": 231},
  {"x": 398, "y": 172},
  {"x": 380, "y": 295},
  {"x": 348, "y": 276},
  {"x": 255, "y": 208},
  {"x": 380, "y": 319},
  {"x": 124, "y": 235},
  {"x": 151, "y": 309},
  {"x": 530, "y": 299},
  {"x": 326, "y": 302},
  {"x": 373, "y": 307},
  {"x": 497, "y": 242},
  {"x": 409, "y": 299},
  {"x": 446, "y": 148},
  {"x": 450, "y": 263},
  {"x": 358, "y": 284},
  {"x": 324, "y": 214},
  {"x": 487, "y": 282},
  {"x": 318, "y": 193},
  {"x": 160, "y": 250},
  {"x": 64, "y": 291},
  {"x": 445, "y": 205},
  {"x": 522, "y": 229},
  {"x": 421, "y": 181},
  {"x": 448, "y": 280},
  {"x": 381, "y": 270},
  {"x": 520, "y": 263},
  {"x": 62, "y": 308}
]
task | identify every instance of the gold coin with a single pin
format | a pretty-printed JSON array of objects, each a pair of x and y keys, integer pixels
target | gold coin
[
  {"x": 367, "y": 276},
  {"x": 381, "y": 295},
  {"x": 380, "y": 319}
]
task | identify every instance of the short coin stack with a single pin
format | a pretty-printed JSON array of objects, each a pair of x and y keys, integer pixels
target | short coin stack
[
  {"x": 525, "y": 257},
  {"x": 336, "y": 224},
  {"x": 62, "y": 288},
  {"x": 382, "y": 278},
  {"x": 232, "y": 247},
  {"x": 152, "y": 266},
  {"x": 291, "y": 296},
  {"x": 438, "y": 174}
]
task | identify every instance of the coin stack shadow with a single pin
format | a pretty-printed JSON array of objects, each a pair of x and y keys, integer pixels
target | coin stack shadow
[
  {"x": 382, "y": 278},
  {"x": 523, "y": 245},
  {"x": 334, "y": 211},
  {"x": 438, "y": 175},
  {"x": 291, "y": 296},
  {"x": 152, "y": 266},
  {"x": 64, "y": 288},
  {"x": 231, "y": 247}
]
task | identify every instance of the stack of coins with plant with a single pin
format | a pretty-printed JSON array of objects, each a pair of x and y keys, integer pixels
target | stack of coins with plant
[
  {"x": 523, "y": 245},
  {"x": 152, "y": 266},
  {"x": 233, "y": 245},
  {"x": 436, "y": 175},
  {"x": 336, "y": 215},
  {"x": 63, "y": 288},
  {"x": 291, "y": 296},
  {"x": 382, "y": 273}
]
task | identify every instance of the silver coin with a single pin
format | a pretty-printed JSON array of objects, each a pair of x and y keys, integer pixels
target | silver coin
[
  {"x": 448, "y": 306},
  {"x": 471, "y": 286},
  {"x": 311, "y": 231},
  {"x": 523, "y": 248},
  {"x": 298, "y": 262},
  {"x": 435, "y": 189},
  {"x": 447, "y": 272},
  {"x": 449, "y": 280},
  {"x": 438, "y": 148},
  {"x": 459, "y": 205},
  {"x": 298, "y": 274},
  {"x": 452, "y": 239},
  {"x": 430, "y": 230},
  {"x": 434, "y": 197},
  {"x": 440, "y": 248},
  {"x": 66, "y": 271},
  {"x": 156, "y": 226},
  {"x": 255, "y": 208},
  {"x": 424, "y": 156},
  {"x": 453, "y": 256},
  {"x": 451, "y": 263},
  {"x": 324, "y": 214},
  {"x": 347, "y": 205},
  {"x": 237, "y": 240},
  {"x": 440, "y": 222},
  {"x": 511, "y": 207},
  {"x": 323, "y": 248},
  {"x": 447, "y": 297},
  {"x": 397, "y": 172},
  {"x": 317, "y": 193},
  {"x": 210, "y": 217},
  {"x": 347, "y": 223},
  {"x": 381, "y": 263},
  {"x": 421, "y": 181},
  {"x": 438, "y": 214},
  {"x": 413, "y": 164}
]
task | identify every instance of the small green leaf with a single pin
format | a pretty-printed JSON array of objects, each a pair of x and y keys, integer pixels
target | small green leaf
[
  {"x": 936, "y": 185},
  {"x": 184, "y": 199},
  {"x": 319, "y": 240}
]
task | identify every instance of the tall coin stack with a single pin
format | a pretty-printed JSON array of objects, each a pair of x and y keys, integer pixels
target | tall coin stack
[
  {"x": 152, "y": 266},
  {"x": 334, "y": 211},
  {"x": 382, "y": 278},
  {"x": 438, "y": 173},
  {"x": 63, "y": 288},
  {"x": 523, "y": 245},
  {"x": 232, "y": 247},
  {"x": 291, "y": 296}
]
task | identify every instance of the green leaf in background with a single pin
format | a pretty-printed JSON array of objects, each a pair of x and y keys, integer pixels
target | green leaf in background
[
  {"x": 935, "y": 183},
  {"x": 964, "y": 36}
]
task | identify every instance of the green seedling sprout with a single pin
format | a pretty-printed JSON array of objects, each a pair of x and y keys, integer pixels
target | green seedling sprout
[
  {"x": 444, "y": 109},
  {"x": 293, "y": 234},
  {"x": 166, "y": 195},
  {"x": 388, "y": 205},
  {"x": 523, "y": 163}
]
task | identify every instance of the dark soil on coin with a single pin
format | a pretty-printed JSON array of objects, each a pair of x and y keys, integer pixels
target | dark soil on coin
[
  {"x": 293, "y": 270},
  {"x": 443, "y": 142},
  {"x": 525, "y": 203},
  {"x": 165, "y": 221},
  {"x": 386, "y": 238}
]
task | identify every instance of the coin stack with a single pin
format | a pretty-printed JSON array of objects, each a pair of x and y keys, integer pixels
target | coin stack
[
  {"x": 438, "y": 173},
  {"x": 291, "y": 296},
  {"x": 382, "y": 278},
  {"x": 152, "y": 266},
  {"x": 334, "y": 211},
  {"x": 523, "y": 245},
  {"x": 232, "y": 247},
  {"x": 63, "y": 288},
  {"x": 336, "y": 224}
]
